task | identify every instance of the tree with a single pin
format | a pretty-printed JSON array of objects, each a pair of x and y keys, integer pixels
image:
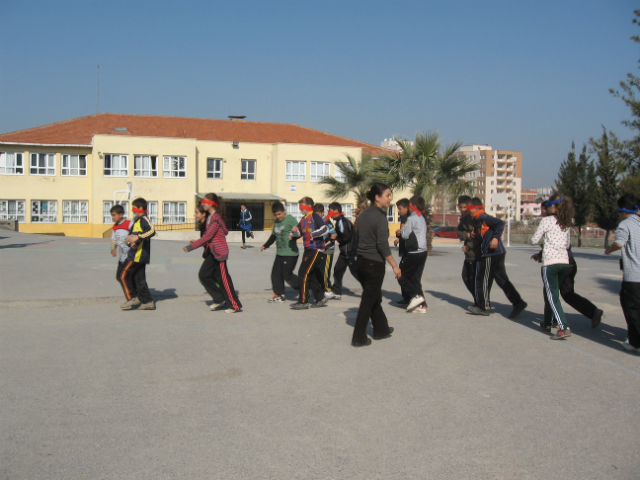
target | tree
[
  {"x": 577, "y": 180},
  {"x": 606, "y": 195},
  {"x": 357, "y": 180}
]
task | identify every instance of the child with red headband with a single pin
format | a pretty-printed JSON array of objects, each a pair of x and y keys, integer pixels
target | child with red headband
[
  {"x": 329, "y": 249},
  {"x": 412, "y": 264},
  {"x": 347, "y": 238},
  {"x": 312, "y": 229},
  {"x": 214, "y": 273},
  {"x": 133, "y": 276},
  {"x": 119, "y": 247}
]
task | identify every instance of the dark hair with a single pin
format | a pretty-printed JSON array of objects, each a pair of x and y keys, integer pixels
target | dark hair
[
  {"x": 117, "y": 209},
  {"x": 564, "y": 210},
  {"x": 628, "y": 201},
  {"x": 202, "y": 210},
  {"x": 418, "y": 202},
  {"x": 220, "y": 209},
  {"x": 243, "y": 205},
  {"x": 544, "y": 205},
  {"x": 140, "y": 203},
  {"x": 307, "y": 201},
  {"x": 464, "y": 199},
  {"x": 376, "y": 190},
  {"x": 476, "y": 202},
  {"x": 335, "y": 206},
  {"x": 403, "y": 202},
  {"x": 278, "y": 207},
  {"x": 318, "y": 208}
]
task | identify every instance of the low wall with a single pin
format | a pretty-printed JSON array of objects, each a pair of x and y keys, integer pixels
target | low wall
[
  {"x": 586, "y": 242},
  {"x": 9, "y": 225},
  {"x": 232, "y": 237}
]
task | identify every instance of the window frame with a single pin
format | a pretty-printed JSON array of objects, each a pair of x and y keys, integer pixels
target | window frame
[
  {"x": 211, "y": 173},
  {"x": 177, "y": 214},
  {"x": 337, "y": 173},
  {"x": 153, "y": 217},
  {"x": 106, "y": 211},
  {"x": 52, "y": 218},
  {"x": 3, "y": 163},
  {"x": 79, "y": 214},
  {"x": 290, "y": 176},
  {"x": 111, "y": 169},
  {"x": 391, "y": 218},
  {"x": 67, "y": 156},
  {"x": 153, "y": 172},
  {"x": 247, "y": 162},
  {"x": 293, "y": 209},
  {"x": 5, "y": 211},
  {"x": 50, "y": 171},
  {"x": 171, "y": 172},
  {"x": 347, "y": 210},
  {"x": 317, "y": 178}
]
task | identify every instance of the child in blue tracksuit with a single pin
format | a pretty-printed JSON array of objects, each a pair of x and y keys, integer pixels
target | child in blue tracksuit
[
  {"x": 245, "y": 223},
  {"x": 491, "y": 264}
]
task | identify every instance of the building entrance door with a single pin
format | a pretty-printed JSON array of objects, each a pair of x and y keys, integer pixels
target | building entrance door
[{"x": 233, "y": 215}]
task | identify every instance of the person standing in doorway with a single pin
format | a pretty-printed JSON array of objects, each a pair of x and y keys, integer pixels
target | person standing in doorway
[{"x": 245, "y": 224}]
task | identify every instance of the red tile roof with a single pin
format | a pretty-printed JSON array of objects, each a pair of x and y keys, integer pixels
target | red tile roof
[{"x": 79, "y": 131}]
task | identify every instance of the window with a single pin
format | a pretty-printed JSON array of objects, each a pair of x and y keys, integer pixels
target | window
[
  {"x": 319, "y": 171},
  {"x": 174, "y": 212},
  {"x": 152, "y": 212},
  {"x": 214, "y": 168},
  {"x": 347, "y": 210},
  {"x": 293, "y": 209},
  {"x": 43, "y": 164},
  {"x": 248, "y": 170},
  {"x": 337, "y": 173},
  {"x": 145, "y": 166},
  {"x": 174, "y": 167},
  {"x": 296, "y": 171},
  {"x": 116, "y": 165},
  {"x": 75, "y": 211},
  {"x": 74, "y": 165},
  {"x": 391, "y": 214},
  {"x": 11, "y": 163},
  {"x": 12, "y": 210},
  {"x": 44, "y": 211},
  {"x": 106, "y": 210}
]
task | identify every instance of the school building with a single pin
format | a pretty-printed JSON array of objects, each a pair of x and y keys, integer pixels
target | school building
[{"x": 64, "y": 177}]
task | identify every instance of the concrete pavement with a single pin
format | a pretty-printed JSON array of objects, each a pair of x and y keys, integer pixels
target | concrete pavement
[{"x": 89, "y": 391}]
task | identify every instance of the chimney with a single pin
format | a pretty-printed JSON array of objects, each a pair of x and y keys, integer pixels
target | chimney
[{"x": 237, "y": 118}]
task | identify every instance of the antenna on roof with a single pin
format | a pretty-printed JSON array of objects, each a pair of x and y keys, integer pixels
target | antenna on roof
[{"x": 98, "y": 93}]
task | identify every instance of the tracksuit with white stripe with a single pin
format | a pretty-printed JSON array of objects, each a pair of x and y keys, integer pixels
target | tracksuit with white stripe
[
  {"x": 555, "y": 260},
  {"x": 491, "y": 263}
]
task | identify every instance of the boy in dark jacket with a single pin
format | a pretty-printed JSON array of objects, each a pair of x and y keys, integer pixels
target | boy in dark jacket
[
  {"x": 133, "y": 276},
  {"x": 348, "y": 244},
  {"x": 471, "y": 245},
  {"x": 489, "y": 229}
]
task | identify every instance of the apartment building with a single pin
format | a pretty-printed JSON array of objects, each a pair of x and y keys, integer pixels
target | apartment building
[{"x": 65, "y": 177}]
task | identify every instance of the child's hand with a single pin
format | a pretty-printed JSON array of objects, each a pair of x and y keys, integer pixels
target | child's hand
[
  {"x": 536, "y": 257},
  {"x": 396, "y": 242},
  {"x": 398, "y": 232},
  {"x": 263, "y": 248},
  {"x": 131, "y": 239},
  {"x": 186, "y": 249},
  {"x": 114, "y": 252},
  {"x": 494, "y": 244},
  {"x": 294, "y": 230},
  {"x": 465, "y": 249}
]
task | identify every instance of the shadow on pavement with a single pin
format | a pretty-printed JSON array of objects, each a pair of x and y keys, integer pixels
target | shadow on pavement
[
  {"x": 351, "y": 315},
  {"x": 167, "y": 293},
  {"x": 22, "y": 245},
  {"x": 593, "y": 256},
  {"x": 610, "y": 284}
]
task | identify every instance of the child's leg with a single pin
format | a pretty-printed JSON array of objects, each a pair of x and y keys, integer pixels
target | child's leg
[
  {"x": 548, "y": 313},
  {"x": 338, "y": 274},
  {"x": 502, "y": 279},
  {"x": 244, "y": 233},
  {"x": 630, "y": 302},
  {"x": 484, "y": 280},
  {"x": 569, "y": 295},
  {"x": 208, "y": 279},
  {"x": 409, "y": 266},
  {"x": 421, "y": 261},
  {"x": 277, "y": 275},
  {"x": 140, "y": 278},
  {"x": 288, "y": 274},
  {"x": 469, "y": 277},
  {"x": 550, "y": 276},
  {"x": 305, "y": 272},
  {"x": 228, "y": 290},
  {"x": 127, "y": 281},
  {"x": 328, "y": 262},
  {"x": 316, "y": 281}
]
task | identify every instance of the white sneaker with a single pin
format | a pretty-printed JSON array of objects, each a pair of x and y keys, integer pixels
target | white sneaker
[
  {"x": 231, "y": 310},
  {"x": 277, "y": 299},
  {"x": 421, "y": 309},
  {"x": 630, "y": 348},
  {"x": 215, "y": 306},
  {"x": 332, "y": 296},
  {"x": 415, "y": 301}
]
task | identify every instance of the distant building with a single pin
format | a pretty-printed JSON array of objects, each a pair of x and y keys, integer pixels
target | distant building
[{"x": 391, "y": 144}]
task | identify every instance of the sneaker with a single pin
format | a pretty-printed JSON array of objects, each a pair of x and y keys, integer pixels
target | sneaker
[
  {"x": 332, "y": 296},
  {"x": 561, "y": 334},
  {"x": 231, "y": 310},
  {"x": 478, "y": 311},
  {"x": 518, "y": 308},
  {"x": 597, "y": 318},
  {"x": 630, "y": 348},
  {"x": 147, "y": 306},
  {"x": 567, "y": 332},
  {"x": 415, "y": 301},
  {"x": 403, "y": 303},
  {"x": 243, "y": 247},
  {"x": 215, "y": 306},
  {"x": 130, "y": 303},
  {"x": 320, "y": 303},
  {"x": 277, "y": 299},
  {"x": 251, "y": 235},
  {"x": 366, "y": 343},
  {"x": 300, "y": 306},
  {"x": 380, "y": 337},
  {"x": 421, "y": 309}
]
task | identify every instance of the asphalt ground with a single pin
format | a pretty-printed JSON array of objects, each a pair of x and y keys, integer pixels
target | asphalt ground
[{"x": 92, "y": 392}]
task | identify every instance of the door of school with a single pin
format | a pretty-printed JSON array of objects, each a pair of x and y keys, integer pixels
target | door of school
[{"x": 233, "y": 215}]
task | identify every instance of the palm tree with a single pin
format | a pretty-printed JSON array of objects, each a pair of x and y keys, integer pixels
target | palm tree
[{"x": 357, "y": 180}]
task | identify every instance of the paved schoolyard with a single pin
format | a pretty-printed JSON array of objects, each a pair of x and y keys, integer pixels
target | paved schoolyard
[{"x": 92, "y": 392}]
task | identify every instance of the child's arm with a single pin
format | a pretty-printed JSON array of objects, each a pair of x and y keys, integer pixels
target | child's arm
[
  {"x": 406, "y": 229},
  {"x": 321, "y": 227},
  {"x": 270, "y": 242},
  {"x": 114, "y": 244},
  {"x": 147, "y": 232},
  {"x": 540, "y": 231},
  {"x": 212, "y": 229}
]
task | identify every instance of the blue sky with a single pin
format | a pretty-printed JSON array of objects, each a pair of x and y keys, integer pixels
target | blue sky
[{"x": 518, "y": 75}]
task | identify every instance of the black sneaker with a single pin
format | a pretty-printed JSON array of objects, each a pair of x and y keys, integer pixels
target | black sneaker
[
  {"x": 478, "y": 311},
  {"x": 403, "y": 302},
  {"x": 380, "y": 337},
  {"x": 320, "y": 303},
  {"x": 300, "y": 306},
  {"x": 518, "y": 308},
  {"x": 367, "y": 342},
  {"x": 597, "y": 318}
]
